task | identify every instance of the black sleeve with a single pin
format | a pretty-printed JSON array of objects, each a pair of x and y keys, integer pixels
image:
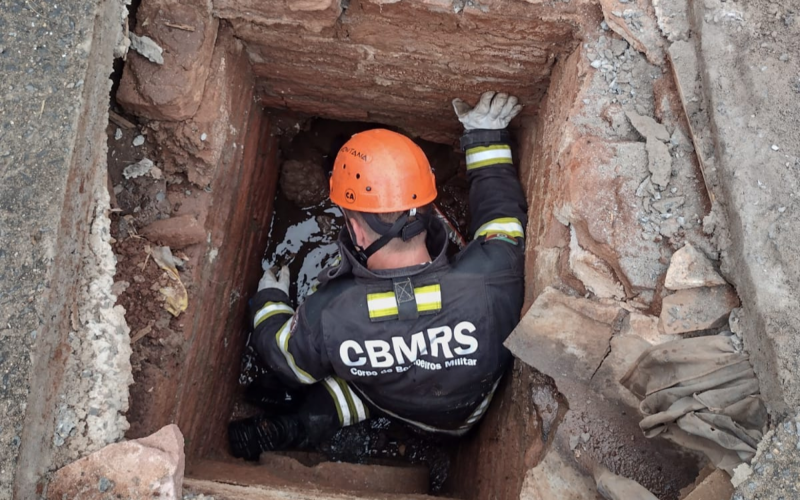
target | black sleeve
[
  {"x": 285, "y": 340},
  {"x": 497, "y": 203}
]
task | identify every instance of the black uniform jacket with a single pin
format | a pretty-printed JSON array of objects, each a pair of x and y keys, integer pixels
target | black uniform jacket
[{"x": 422, "y": 343}]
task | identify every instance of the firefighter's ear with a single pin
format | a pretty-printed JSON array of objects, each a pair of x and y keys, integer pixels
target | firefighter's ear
[{"x": 358, "y": 233}]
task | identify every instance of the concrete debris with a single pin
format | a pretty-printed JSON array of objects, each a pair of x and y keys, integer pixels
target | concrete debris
[
  {"x": 716, "y": 486},
  {"x": 614, "y": 487},
  {"x": 669, "y": 205},
  {"x": 149, "y": 467},
  {"x": 175, "y": 232},
  {"x": 659, "y": 161},
  {"x": 595, "y": 274},
  {"x": 636, "y": 25},
  {"x": 644, "y": 327},
  {"x": 147, "y": 47},
  {"x": 669, "y": 228},
  {"x": 690, "y": 268},
  {"x": 697, "y": 309},
  {"x": 138, "y": 169},
  {"x": 679, "y": 140},
  {"x": 672, "y": 19},
  {"x": 118, "y": 134},
  {"x": 177, "y": 299},
  {"x": 564, "y": 337},
  {"x": 138, "y": 140},
  {"x": 648, "y": 127}
]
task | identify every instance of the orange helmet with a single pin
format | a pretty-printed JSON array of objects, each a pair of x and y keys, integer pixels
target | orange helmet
[{"x": 380, "y": 171}]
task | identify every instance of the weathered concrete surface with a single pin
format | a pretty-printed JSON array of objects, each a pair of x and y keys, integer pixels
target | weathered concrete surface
[
  {"x": 773, "y": 472},
  {"x": 62, "y": 344},
  {"x": 752, "y": 90}
]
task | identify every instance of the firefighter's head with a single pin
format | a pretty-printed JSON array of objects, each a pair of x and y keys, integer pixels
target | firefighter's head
[{"x": 384, "y": 184}]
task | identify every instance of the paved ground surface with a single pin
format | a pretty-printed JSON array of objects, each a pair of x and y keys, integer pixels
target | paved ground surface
[
  {"x": 50, "y": 73},
  {"x": 751, "y": 58}
]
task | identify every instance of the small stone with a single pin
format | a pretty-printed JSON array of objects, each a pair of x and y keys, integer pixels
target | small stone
[
  {"x": 203, "y": 136},
  {"x": 138, "y": 169},
  {"x": 784, "y": 57},
  {"x": 648, "y": 127},
  {"x": 690, "y": 268},
  {"x": 775, "y": 147},
  {"x": 596, "y": 63},
  {"x": 138, "y": 140},
  {"x": 573, "y": 441},
  {"x": 147, "y": 47},
  {"x": 669, "y": 205},
  {"x": 659, "y": 161},
  {"x": 105, "y": 484},
  {"x": 118, "y": 134}
]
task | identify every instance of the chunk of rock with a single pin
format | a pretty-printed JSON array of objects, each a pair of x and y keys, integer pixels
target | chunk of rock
[
  {"x": 138, "y": 169},
  {"x": 669, "y": 205},
  {"x": 147, "y": 47},
  {"x": 659, "y": 161},
  {"x": 595, "y": 274},
  {"x": 697, "y": 309},
  {"x": 648, "y": 127},
  {"x": 716, "y": 486},
  {"x": 150, "y": 467},
  {"x": 172, "y": 90},
  {"x": 175, "y": 232},
  {"x": 304, "y": 182},
  {"x": 565, "y": 337},
  {"x": 690, "y": 268}
]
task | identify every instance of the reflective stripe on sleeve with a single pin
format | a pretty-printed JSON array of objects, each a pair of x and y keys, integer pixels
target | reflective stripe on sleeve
[
  {"x": 271, "y": 309},
  {"x": 349, "y": 407},
  {"x": 282, "y": 338},
  {"x": 483, "y": 156},
  {"x": 508, "y": 226},
  {"x": 382, "y": 305}
]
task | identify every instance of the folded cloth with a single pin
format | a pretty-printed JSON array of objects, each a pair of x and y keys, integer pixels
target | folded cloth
[{"x": 701, "y": 393}]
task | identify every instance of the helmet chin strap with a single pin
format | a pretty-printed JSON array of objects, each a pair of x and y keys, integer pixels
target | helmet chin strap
[{"x": 403, "y": 228}]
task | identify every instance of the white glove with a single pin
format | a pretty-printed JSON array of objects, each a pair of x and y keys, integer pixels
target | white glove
[
  {"x": 493, "y": 112},
  {"x": 269, "y": 280}
]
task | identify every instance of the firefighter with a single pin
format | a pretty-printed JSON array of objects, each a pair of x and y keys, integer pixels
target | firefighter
[{"x": 397, "y": 328}]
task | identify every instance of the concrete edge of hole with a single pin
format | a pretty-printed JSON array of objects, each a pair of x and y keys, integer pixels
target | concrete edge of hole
[{"x": 70, "y": 347}]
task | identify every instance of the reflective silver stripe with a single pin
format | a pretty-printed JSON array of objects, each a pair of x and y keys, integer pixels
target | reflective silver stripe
[
  {"x": 481, "y": 409},
  {"x": 361, "y": 411},
  {"x": 282, "y": 338},
  {"x": 507, "y": 225},
  {"x": 492, "y": 154},
  {"x": 269, "y": 309},
  {"x": 340, "y": 400}
]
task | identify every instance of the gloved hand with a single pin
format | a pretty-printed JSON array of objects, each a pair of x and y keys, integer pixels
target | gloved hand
[
  {"x": 493, "y": 112},
  {"x": 268, "y": 280}
]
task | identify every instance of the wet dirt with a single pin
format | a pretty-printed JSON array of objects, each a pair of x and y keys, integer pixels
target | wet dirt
[{"x": 156, "y": 336}]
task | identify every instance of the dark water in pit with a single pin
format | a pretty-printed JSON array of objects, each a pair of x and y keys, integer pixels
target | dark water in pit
[{"x": 304, "y": 238}]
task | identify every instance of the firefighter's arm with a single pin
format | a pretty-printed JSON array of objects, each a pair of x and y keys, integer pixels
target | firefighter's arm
[
  {"x": 497, "y": 203},
  {"x": 281, "y": 336}
]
